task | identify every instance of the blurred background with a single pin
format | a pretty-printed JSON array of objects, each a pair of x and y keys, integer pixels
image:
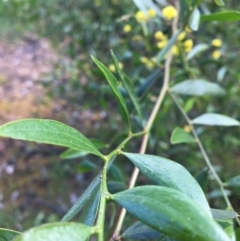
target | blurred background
[{"x": 46, "y": 72}]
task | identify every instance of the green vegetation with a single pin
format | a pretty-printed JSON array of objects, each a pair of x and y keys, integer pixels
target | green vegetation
[{"x": 175, "y": 79}]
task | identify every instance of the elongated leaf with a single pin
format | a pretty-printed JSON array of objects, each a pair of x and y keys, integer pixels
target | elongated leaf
[
  {"x": 226, "y": 16},
  {"x": 213, "y": 119},
  {"x": 219, "y": 3},
  {"x": 197, "y": 88},
  {"x": 223, "y": 214},
  {"x": 233, "y": 182},
  {"x": 114, "y": 186},
  {"x": 113, "y": 84},
  {"x": 129, "y": 86},
  {"x": 194, "y": 19},
  {"x": 197, "y": 49},
  {"x": 7, "y": 234},
  {"x": 202, "y": 178},
  {"x": 181, "y": 136},
  {"x": 168, "y": 47},
  {"x": 170, "y": 212},
  {"x": 71, "y": 154},
  {"x": 49, "y": 132},
  {"x": 57, "y": 231},
  {"x": 89, "y": 214},
  {"x": 167, "y": 173},
  {"x": 81, "y": 202},
  {"x": 228, "y": 227}
]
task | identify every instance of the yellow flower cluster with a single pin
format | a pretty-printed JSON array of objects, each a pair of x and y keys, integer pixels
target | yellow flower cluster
[
  {"x": 169, "y": 12},
  {"x": 188, "y": 45},
  {"x": 127, "y": 28},
  {"x": 143, "y": 17},
  {"x": 161, "y": 38},
  {"x": 112, "y": 67},
  {"x": 150, "y": 63},
  {"x": 217, "y": 43}
]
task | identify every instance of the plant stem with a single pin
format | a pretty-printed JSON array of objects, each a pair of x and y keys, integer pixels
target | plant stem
[
  {"x": 102, "y": 207},
  {"x": 204, "y": 153}
]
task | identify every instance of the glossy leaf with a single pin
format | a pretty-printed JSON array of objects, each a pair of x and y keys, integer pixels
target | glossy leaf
[
  {"x": 228, "y": 227},
  {"x": 129, "y": 86},
  {"x": 213, "y": 119},
  {"x": 219, "y": 3},
  {"x": 167, "y": 173},
  {"x": 170, "y": 212},
  {"x": 196, "y": 50},
  {"x": 89, "y": 213},
  {"x": 197, "y": 88},
  {"x": 181, "y": 136},
  {"x": 57, "y": 231},
  {"x": 233, "y": 182},
  {"x": 48, "y": 132},
  {"x": 223, "y": 214},
  {"x": 160, "y": 56},
  {"x": 85, "y": 197},
  {"x": 194, "y": 19},
  {"x": 7, "y": 234},
  {"x": 112, "y": 81},
  {"x": 226, "y": 16}
]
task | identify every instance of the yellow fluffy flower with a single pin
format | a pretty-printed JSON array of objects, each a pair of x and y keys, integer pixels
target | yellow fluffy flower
[
  {"x": 151, "y": 13},
  {"x": 162, "y": 44},
  {"x": 169, "y": 12},
  {"x": 216, "y": 54},
  {"x": 144, "y": 59},
  {"x": 188, "y": 45},
  {"x": 127, "y": 28},
  {"x": 181, "y": 36},
  {"x": 141, "y": 17},
  {"x": 217, "y": 42},
  {"x": 175, "y": 50},
  {"x": 187, "y": 128},
  {"x": 112, "y": 68},
  {"x": 160, "y": 36}
]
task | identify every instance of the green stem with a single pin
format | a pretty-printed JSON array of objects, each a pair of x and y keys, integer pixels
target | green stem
[{"x": 204, "y": 153}]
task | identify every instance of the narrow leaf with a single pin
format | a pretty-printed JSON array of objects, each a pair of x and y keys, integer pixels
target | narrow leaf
[
  {"x": 114, "y": 186},
  {"x": 181, "y": 136},
  {"x": 197, "y": 88},
  {"x": 196, "y": 50},
  {"x": 233, "y": 182},
  {"x": 48, "y": 132},
  {"x": 220, "y": 3},
  {"x": 167, "y": 173},
  {"x": 71, "y": 154},
  {"x": 81, "y": 202},
  {"x": 228, "y": 227},
  {"x": 57, "y": 231},
  {"x": 202, "y": 178},
  {"x": 226, "y": 16},
  {"x": 113, "y": 84},
  {"x": 160, "y": 56},
  {"x": 194, "y": 19},
  {"x": 7, "y": 234},
  {"x": 129, "y": 86},
  {"x": 213, "y": 119},
  {"x": 170, "y": 212},
  {"x": 89, "y": 213},
  {"x": 223, "y": 214}
]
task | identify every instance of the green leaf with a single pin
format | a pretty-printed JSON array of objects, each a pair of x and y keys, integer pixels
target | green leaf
[
  {"x": 167, "y": 173},
  {"x": 114, "y": 186},
  {"x": 223, "y": 214},
  {"x": 226, "y": 16},
  {"x": 228, "y": 227},
  {"x": 213, "y": 119},
  {"x": 233, "y": 182},
  {"x": 220, "y": 3},
  {"x": 57, "y": 231},
  {"x": 202, "y": 178},
  {"x": 71, "y": 154},
  {"x": 196, "y": 50},
  {"x": 86, "y": 166},
  {"x": 129, "y": 86},
  {"x": 194, "y": 19},
  {"x": 170, "y": 212},
  {"x": 237, "y": 233},
  {"x": 7, "y": 234},
  {"x": 86, "y": 196},
  {"x": 160, "y": 56},
  {"x": 89, "y": 213},
  {"x": 112, "y": 81},
  {"x": 181, "y": 136},
  {"x": 197, "y": 88},
  {"x": 48, "y": 132}
]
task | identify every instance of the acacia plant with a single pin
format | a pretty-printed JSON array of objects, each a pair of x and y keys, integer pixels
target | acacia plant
[{"x": 175, "y": 208}]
